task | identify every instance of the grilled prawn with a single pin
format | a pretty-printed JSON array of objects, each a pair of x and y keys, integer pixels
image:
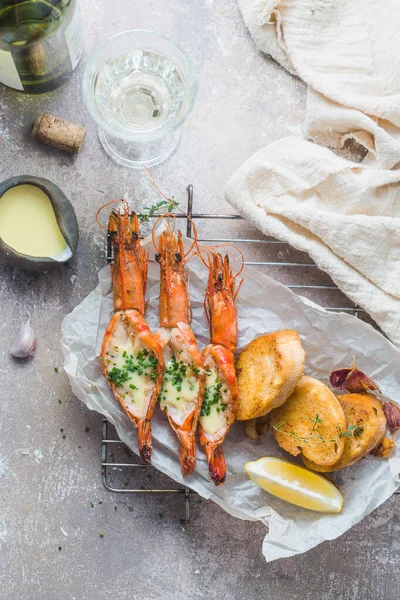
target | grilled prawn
[
  {"x": 131, "y": 355},
  {"x": 184, "y": 379},
  {"x": 219, "y": 406}
]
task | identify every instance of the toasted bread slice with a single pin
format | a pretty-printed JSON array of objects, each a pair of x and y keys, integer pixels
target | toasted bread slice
[
  {"x": 364, "y": 414},
  {"x": 309, "y": 423},
  {"x": 267, "y": 371}
]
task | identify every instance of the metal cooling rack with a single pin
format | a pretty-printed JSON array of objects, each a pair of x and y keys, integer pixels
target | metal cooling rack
[{"x": 301, "y": 268}]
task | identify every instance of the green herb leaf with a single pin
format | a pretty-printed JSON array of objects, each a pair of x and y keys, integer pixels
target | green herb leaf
[
  {"x": 151, "y": 211},
  {"x": 350, "y": 431},
  {"x": 313, "y": 432},
  {"x": 140, "y": 364},
  {"x": 212, "y": 397},
  {"x": 175, "y": 373}
]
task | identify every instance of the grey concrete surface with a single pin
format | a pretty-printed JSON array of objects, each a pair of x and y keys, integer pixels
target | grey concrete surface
[{"x": 48, "y": 482}]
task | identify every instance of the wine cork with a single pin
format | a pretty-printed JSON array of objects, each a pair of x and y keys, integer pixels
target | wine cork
[
  {"x": 59, "y": 133},
  {"x": 36, "y": 60}
]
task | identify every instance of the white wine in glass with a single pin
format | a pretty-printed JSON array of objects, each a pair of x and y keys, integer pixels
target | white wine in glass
[{"x": 139, "y": 87}]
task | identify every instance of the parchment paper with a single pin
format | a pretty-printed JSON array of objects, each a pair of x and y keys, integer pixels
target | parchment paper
[{"x": 330, "y": 341}]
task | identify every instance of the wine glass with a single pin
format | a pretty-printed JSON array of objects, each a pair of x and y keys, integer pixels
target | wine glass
[{"x": 139, "y": 87}]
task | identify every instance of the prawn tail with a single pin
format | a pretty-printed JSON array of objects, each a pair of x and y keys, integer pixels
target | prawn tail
[
  {"x": 145, "y": 440},
  {"x": 216, "y": 463}
]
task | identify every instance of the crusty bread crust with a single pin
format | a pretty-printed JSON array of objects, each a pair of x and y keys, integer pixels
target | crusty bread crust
[
  {"x": 361, "y": 410},
  {"x": 310, "y": 399},
  {"x": 267, "y": 372}
]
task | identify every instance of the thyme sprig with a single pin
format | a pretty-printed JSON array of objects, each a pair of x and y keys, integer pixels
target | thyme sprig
[
  {"x": 151, "y": 211},
  {"x": 351, "y": 431},
  {"x": 315, "y": 422}
]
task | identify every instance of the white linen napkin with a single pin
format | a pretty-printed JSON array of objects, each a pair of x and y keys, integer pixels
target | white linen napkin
[
  {"x": 344, "y": 214},
  {"x": 348, "y": 53}
]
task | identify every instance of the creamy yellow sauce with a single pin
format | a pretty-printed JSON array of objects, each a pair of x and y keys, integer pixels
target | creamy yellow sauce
[
  {"x": 179, "y": 397},
  {"x": 28, "y": 223},
  {"x": 135, "y": 391},
  {"x": 217, "y": 419}
]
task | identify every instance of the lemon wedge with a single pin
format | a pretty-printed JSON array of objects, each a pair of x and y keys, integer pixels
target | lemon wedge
[{"x": 295, "y": 484}]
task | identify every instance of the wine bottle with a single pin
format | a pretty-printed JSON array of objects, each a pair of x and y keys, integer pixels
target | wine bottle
[{"x": 40, "y": 43}]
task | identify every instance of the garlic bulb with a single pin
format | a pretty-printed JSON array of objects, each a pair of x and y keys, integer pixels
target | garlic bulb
[{"x": 25, "y": 343}]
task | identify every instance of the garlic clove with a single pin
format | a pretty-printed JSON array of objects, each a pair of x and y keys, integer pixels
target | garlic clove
[
  {"x": 352, "y": 380},
  {"x": 338, "y": 378},
  {"x": 25, "y": 343},
  {"x": 255, "y": 428},
  {"x": 262, "y": 425},
  {"x": 358, "y": 382},
  {"x": 392, "y": 414},
  {"x": 250, "y": 429}
]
